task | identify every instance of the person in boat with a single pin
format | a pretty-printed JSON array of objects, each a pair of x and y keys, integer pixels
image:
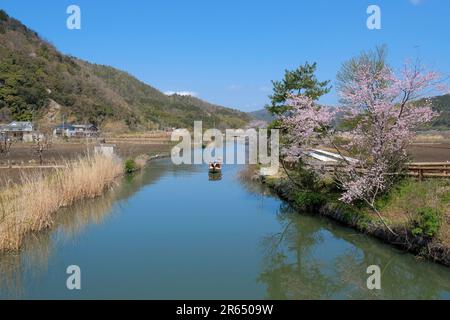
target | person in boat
[{"x": 215, "y": 165}]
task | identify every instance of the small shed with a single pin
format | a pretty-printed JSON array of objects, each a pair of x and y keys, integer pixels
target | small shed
[{"x": 105, "y": 149}]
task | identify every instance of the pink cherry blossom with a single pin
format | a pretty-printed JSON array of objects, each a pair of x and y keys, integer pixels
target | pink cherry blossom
[
  {"x": 306, "y": 123},
  {"x": 384, "y": 107}
]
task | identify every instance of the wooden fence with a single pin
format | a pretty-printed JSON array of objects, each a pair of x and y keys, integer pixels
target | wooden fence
[
  {"x": 419, "y": 170},
  {"x": 429, "y": 169}
]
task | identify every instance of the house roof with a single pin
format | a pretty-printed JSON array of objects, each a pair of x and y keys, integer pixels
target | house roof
[
  {"x": 83, "y": 126},
  {"x": 73, "y": 127},
  {"x": 65, "y": 126},
  {"x": 18, "y": 126}
]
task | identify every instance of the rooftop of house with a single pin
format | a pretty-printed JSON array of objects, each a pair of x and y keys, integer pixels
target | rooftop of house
[
  {"x": 65, "y": 126},
  {"x": 17, "y": 126},
  {"x": 69, "y": 126},
  {"x": 83, "y": 126}
]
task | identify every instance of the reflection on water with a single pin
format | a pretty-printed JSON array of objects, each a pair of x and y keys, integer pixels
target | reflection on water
[
  {"x": 171, "y": 232},
  {"x": 217, "y": 176},
  {"x": 69, "y": 222},
  {"x": 312, "y": 258}
]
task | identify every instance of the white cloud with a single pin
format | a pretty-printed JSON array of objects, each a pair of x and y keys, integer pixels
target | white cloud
[{"x": 181, "y": 93}]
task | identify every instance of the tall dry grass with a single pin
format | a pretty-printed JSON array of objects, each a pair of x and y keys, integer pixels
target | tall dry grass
[{"x": 28, "y": 207}]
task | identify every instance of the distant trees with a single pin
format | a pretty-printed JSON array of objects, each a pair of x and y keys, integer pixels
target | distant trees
[
  {"x": 42, "y": 143},
  {"x": 21, "y": 87},
  {"x": 3, "y": 15},
  {"x": 33, "y": 73}
]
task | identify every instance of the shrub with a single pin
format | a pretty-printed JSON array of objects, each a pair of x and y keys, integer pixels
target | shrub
[
  {"x": 130, "y": 166},
  {"x": 309, "y": 200},
  {"x": 427, "y": 222}
]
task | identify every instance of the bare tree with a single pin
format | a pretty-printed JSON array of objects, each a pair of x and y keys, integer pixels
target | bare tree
[
  {"x": 43, "y": 143},
  {"x": 5, "y": 144}
]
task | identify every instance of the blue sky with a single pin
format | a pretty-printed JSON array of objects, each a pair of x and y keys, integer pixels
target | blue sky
[{"x": 227, "y": 52}]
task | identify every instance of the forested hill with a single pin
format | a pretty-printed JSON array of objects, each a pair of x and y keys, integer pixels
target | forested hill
[
  {"x": 38, "y": 82},
  {"x": 441, "y": 104}
]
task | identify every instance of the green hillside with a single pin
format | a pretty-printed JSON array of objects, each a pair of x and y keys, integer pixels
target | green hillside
[
  {"x": 441, "y": 104},
  {"x": 39, "y": 83}
]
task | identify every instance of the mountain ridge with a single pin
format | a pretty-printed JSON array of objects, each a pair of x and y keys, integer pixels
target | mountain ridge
[
  {"x": 39, "y": 83},
  {"x": 263, "y": 115}
]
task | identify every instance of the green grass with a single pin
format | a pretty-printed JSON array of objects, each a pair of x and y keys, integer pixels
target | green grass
[
  {"x": 409, "y": 195},
  {"x": 418, "y": 205}
]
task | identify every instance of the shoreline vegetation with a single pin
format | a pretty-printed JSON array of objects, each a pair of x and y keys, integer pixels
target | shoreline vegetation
[
  {"x": 415, "y": 210},
  {"x": 30, "y": 198},
  {"x": 29, "y": 206}
]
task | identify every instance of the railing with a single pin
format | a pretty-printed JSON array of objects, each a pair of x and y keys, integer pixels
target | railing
[
  {"x": 419, "y": 170},
  {"x": 429, "y": 169}
]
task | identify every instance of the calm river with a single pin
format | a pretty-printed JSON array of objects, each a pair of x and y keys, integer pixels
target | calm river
[{"x": 172, "y": 233}]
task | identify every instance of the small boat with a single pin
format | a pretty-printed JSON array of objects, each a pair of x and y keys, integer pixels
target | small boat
[
  {"x": 216, "y": 176},
  {"x": 215, "y": 167}
]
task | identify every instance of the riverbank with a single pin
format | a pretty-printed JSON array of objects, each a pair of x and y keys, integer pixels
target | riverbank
[
  {"x": 22, "y": 157},
  {"x": 29, "y": 206},
  {"x": 420, "y": 227}
]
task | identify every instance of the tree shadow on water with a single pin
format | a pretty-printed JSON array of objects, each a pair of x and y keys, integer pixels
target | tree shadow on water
[{"x": 314, "y": 258}]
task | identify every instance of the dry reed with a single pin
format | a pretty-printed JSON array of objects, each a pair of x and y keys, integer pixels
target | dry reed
[{"x": 29, "y": 206}]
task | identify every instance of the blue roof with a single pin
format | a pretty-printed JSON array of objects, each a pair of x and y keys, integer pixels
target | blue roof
[{"x": 65, "y": 127}]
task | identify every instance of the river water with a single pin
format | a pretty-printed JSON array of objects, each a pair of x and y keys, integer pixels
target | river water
[{"x": 170, "y": 232}]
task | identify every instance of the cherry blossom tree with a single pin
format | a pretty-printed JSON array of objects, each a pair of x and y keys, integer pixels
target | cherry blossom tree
[
  {"x": 306, "y": 125},
  {"x": 384, "y": 109}
]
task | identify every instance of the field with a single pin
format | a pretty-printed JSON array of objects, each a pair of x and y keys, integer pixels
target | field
[
  {"x": 431, "y": 146},
  {"x": 58, "y": 153},
  {"x": 430, "y": 151}
]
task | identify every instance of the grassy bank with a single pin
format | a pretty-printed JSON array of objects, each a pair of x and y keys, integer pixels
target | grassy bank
[
  {"x": 28, "y": 206},
  {"x": 418, "y": 212}
]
